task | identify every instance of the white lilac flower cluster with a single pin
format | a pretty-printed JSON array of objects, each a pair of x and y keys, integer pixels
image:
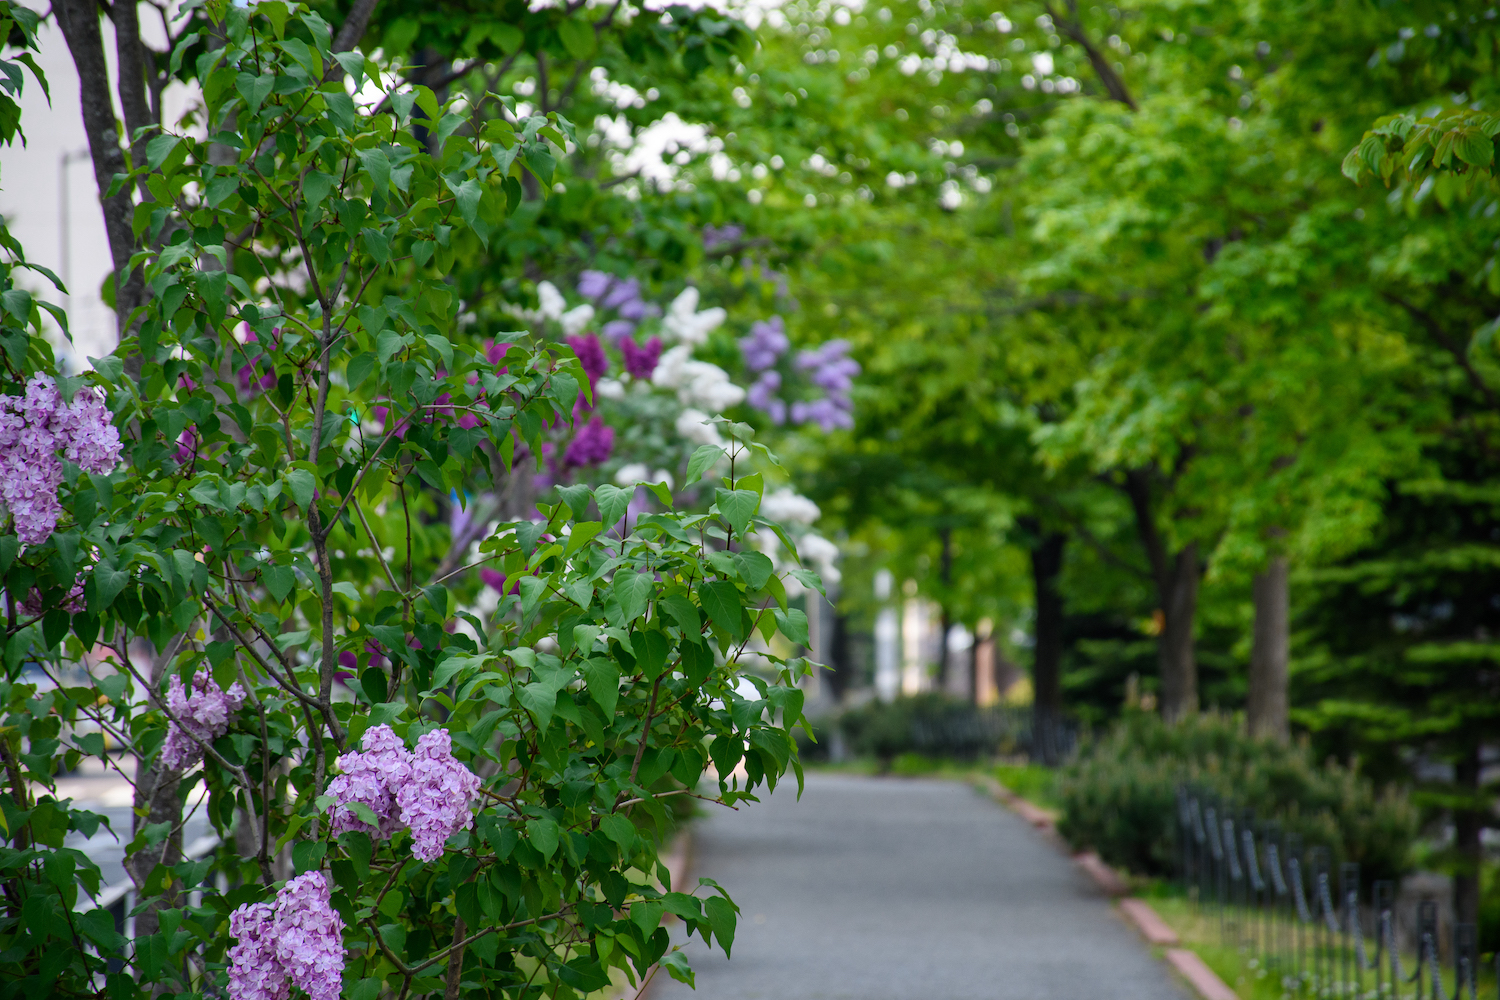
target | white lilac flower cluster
[
  {"x": 34, "y": 428},
  {"x": 428, "y": 792},
  {"x": 298, "y": 939},
  {"x": 798, "y": 514},
  {"x": 204, "y": 713}
]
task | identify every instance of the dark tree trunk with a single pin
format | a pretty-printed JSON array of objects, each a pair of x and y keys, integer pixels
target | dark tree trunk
[
  {"x": 1467, "y": 825},
  {"x": 1046, "y": 669},
  {"x": 1268, "y": 706},
  {"x": 79, "y": 20},
  {"x": 1179, "y": 665},
  {"x": 1176, "y": 576}
]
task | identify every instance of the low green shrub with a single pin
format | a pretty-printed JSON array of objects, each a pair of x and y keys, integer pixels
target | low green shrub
[
  {"x": 1119, "y": 796},
  {"x": 932, "y": 724}
]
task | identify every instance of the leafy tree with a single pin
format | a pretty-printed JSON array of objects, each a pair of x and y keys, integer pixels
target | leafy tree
[{"x": 239, "y": 564}]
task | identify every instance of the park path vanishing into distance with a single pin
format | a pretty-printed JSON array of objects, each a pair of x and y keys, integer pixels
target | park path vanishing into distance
[{"x": 905, "y": 889}]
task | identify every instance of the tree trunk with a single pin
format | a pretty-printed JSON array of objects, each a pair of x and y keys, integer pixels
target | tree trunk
[
  {"x": 79, "y": 20},
  {"x": 1267, "y": 708},
  {"x": 1046, "y": 664},
  {"x": 1179, "y": 666},
  {"x": 1467, "y": 825},
  {"x": 1176, "y": 579},
  {"x": 944, "y": 681}
]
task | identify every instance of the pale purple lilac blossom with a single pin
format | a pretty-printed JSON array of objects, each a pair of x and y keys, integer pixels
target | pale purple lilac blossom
[
  {"x": 33, "y": 428},
  {"x": 255, "y": 973},
  {"x": 299, "y": 937},
  {"x": 766, "y": 344},
  {"x": 435, "y": 802},
  {"x": 203, "y": 712},
  {"x": 309, "y": 936},
  {"x": 371, "y": 778}
]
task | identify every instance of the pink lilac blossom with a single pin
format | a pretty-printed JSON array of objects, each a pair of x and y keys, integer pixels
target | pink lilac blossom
[
  {"x": 435, "y": 802},
  {"x": 33, "y": 427},
  {"x": 255, "y": 973},
  {"x": 593, "y": 444},
  {"x": 203, "y": 712},
  {"x": 641, "y": 361},
  {"x": 249, "y": 374},
  {"x": 371, "y": 778},
  {"x": 309, "y": 936}
]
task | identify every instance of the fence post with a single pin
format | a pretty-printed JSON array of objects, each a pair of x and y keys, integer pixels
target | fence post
[
  {"x": 1465, "y": 960},
  {"x": 1383, "y": 895},
  {"x": 1427, "y": 929}
]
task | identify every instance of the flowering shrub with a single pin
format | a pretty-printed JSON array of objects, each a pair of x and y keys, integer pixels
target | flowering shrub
[{"x": 414, "y": 790}]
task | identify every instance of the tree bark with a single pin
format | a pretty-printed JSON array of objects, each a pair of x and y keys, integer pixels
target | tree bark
[
  {"x": 1176, "y": 577},
  {"x": 1268, "y": 704},
  {"x": 1046, "y": 669},
  {"x": 944, "y": 681},
  {"x": 1467, "y": 826},
  {"x": 79, "y": 20}
]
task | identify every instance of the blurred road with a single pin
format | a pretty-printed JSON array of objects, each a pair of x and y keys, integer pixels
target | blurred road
[{"x": 905, "y": 889}]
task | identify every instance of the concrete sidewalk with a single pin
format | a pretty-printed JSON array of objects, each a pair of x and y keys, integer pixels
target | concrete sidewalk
[{"x": 905, "y": 889}]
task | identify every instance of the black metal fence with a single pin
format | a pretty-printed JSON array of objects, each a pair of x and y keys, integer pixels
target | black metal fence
[{"x": 1317, "y": 927}]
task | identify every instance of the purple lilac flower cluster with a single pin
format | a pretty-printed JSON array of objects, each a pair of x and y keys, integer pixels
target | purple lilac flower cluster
[
  {"x": 428, "y": 791},
  {"x": 623, "y": 295},
  {"x": 33, "y": 429},
  {"x": 719, "y": 238},
  {"x": 203, "y": 712},
  {"x": 829, "y": 368},
  {"x": 832, "y": 370},
  {"x": 299, "y": 937}
]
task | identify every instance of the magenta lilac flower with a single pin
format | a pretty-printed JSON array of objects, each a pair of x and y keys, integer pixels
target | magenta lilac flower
[
  {"x": 371, "y": 778},
  {"x": 203, "y": 712},
  {"x": 255, "y": 973},
  {"x": 309, "y": 936},
  {"x": 594, "y": 443},
  {"x": 640, "y": 361},
  {"x": 436, "y": 801},
  {"x": 33, "y": 428},
  {"x": 591, "y": 356}
]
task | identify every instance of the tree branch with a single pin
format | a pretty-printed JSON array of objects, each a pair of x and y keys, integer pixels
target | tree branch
[{"x": 1111, "y": 80}]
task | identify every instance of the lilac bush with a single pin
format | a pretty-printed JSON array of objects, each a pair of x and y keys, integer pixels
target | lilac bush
[{"x": 203, "y": 712}]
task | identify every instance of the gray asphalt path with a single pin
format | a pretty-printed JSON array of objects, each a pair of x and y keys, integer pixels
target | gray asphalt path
[{"x": 905, "y": 889}]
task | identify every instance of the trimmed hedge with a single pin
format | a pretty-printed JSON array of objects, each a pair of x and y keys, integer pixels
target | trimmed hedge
[{"x": 1119, "y": 795}]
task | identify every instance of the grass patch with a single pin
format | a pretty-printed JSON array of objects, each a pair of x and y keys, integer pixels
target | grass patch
[
  {"x": 1261, "y": 977},
  {"x": 1033, "y": 782}
]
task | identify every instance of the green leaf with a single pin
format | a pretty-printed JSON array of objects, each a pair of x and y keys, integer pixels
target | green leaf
[
  {"x": 633, "y": 591},
  {"x": 617, "y": 827},
  {"x": 651, "y": 648},
  {"x": 577, "y": 498},
  {"x": 754, "y": 568},
  {"x": 612, "y": 502},
  {"x": 737, "y": 507},
  {"x": 577, "y": 37},
  {"x": 107, "y": 581},
  {"x": 683, "y": 612},
  {"x": 158, "y": 149},
  {"x": 378, "y": 166},
  {"x": 721, "y": 918},
  {"x": 792, "y": 624},
  {"x": 301, "y": 484},
  {"x": 279, "y": 581},
  {"x": 602, "y": 678},
  {"x": 378, "y": 246},
  {"x": 359, "y": 369},
  {"x": 721, "y": 600},
  {"x": 543, "y": 834},
  {"x": 704, "y": 459},
  {"x": 582, "y": 533},
  {"x": 315, "y": 187}
]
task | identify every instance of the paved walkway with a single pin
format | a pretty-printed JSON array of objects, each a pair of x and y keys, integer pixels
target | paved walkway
[{"x": 903, "y": 889}]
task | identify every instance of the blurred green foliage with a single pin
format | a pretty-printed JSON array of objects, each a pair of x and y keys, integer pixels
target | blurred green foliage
[{"x": 1119, "y": 796}]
